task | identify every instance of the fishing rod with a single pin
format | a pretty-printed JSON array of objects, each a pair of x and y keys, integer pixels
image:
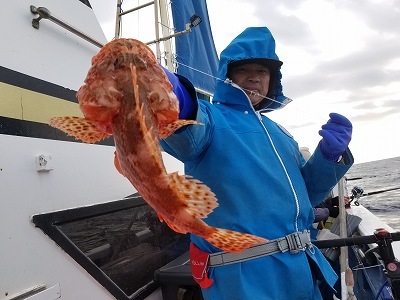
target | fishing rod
[
  {"x": 381, "y": 191},
  {"x": 357, "y": 240},
  {"x": 384, "y": 239},
  {"x": 357, "y": 193}
]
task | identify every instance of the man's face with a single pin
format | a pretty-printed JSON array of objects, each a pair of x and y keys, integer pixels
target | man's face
[{"x": 253, "y": 79}]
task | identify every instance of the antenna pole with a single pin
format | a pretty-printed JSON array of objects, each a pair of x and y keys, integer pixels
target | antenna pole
[{"x": 118, "y": 20}]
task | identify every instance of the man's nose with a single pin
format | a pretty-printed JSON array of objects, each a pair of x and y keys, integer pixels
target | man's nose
[{"x": 254, "y": 76}]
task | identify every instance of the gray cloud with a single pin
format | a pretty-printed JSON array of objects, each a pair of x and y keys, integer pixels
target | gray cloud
[
  {"x": 382, "y": 16},
  {"x": 287, "y": 29},
  {"x": 372, "y": 110},
  {"x": 392, "y": 104},
  {"x": 355, "y": 72},
  {"x": 371, "y": 116},
  {"x": 361, "y": 105}
]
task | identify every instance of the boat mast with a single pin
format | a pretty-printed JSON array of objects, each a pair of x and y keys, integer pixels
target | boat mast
[
  {"x": 160, "y": 18},
  {"x": 157, "y": 30},
  {"x": 165, "y": 27},
  {"x": 118, "y": 20}
]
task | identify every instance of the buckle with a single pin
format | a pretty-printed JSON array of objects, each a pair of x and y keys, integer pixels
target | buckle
[
  {"x": 282, "y": 244},
  {"x": 298, "y": 241}
]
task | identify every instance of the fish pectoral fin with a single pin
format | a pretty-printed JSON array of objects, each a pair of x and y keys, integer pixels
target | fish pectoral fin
[
  {"x": 199, "y": 198},
  {"x": 80, "y": 128},
  {"x": 170, "y": 128}
]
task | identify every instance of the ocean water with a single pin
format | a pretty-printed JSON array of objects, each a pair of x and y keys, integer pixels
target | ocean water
[{"x": 382, "y": 180}]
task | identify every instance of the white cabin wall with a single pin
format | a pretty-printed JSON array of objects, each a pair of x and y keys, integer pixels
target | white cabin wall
[
  {"x": 82, "y": 174},
  {"x": 50, "y": 52}
]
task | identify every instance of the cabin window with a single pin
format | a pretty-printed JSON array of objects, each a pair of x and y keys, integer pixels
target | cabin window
[{"x": 120, "y": 243}]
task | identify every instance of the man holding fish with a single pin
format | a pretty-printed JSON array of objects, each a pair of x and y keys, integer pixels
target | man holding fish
[
  {"x": 263, "y": 184},
  {"x": 247, "y": 189}
]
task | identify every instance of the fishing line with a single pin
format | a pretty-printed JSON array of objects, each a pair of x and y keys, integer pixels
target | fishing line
[
  {"x": 230, "y": 82},
  {"x": 362, "y": 267}
]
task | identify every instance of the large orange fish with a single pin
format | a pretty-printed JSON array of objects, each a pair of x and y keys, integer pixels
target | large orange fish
[{"x": 127, "y": 95}]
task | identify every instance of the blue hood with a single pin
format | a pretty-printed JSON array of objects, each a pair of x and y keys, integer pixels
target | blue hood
[{"x": 252, "y": 43}]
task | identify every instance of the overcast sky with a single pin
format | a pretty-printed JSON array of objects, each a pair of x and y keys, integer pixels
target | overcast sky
[{"x": 338, "y": 56}]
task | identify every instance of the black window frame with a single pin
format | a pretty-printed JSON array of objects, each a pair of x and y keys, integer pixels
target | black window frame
[{"x": 49, "y": 224}]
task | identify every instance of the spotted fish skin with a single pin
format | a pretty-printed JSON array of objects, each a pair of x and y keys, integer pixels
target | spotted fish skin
[{"x": 127, "y": 95}]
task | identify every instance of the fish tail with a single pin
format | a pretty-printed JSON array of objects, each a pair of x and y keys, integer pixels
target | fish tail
[
  {"x": 80, "y": 128},
  {"x": 199, "y": 201},
  {"x": 233, "y": 241}
]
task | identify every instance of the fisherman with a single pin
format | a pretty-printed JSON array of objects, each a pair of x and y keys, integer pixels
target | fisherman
[{"x": 259, "y": 176}]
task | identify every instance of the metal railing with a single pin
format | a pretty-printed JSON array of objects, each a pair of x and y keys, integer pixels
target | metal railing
[{"x": 44, "y": 13}]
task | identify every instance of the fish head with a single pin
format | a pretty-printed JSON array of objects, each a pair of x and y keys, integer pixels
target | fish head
[{"x": 109, "y": 80}]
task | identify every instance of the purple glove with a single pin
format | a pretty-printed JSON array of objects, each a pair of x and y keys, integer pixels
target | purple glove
[
  {"x": 187, "y": 105},
  {"x": 336, "y": 136}
]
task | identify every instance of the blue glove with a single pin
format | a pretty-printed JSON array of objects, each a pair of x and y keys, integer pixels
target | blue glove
[
  {"x": 187, "y": 105},
  {"x": 336, "y": 136}
]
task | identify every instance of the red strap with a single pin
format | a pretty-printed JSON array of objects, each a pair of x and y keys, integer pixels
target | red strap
[{"x": 198, "y": 264}]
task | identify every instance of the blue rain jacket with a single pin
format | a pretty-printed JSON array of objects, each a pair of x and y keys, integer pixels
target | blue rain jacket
[{"x": 262, "y": 182}]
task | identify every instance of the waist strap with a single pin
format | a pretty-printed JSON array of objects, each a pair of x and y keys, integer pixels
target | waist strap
[{"x": 295, "y": 243}]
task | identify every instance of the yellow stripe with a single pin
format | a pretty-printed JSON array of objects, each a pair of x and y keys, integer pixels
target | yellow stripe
[{"x": 23, "y": 104}]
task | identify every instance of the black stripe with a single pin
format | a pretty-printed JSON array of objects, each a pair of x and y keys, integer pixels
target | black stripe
[
  {"x": 18, "y": 127},
  {"x": 37, "y": 85},
  {"x": 86, "y": 2}
]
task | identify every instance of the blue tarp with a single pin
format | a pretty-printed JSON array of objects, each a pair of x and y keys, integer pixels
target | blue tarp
[{"x": 195, "y": 49}]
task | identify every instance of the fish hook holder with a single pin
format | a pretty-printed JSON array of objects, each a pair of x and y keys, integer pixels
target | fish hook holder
[{"x": 43, "y": 13}]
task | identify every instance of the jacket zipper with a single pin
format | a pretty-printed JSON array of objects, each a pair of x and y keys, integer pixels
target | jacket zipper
[
  {"x": 284, "y": 168},
  {"x": 258, "y": 114}
]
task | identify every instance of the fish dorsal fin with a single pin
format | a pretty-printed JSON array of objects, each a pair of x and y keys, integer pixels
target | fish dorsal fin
[
  {"x": 168, "y": 129},
  {"x": 200, "y": 200},
  {"x": 80, "y": 128},
  {"x": 148, "y": 133}
]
